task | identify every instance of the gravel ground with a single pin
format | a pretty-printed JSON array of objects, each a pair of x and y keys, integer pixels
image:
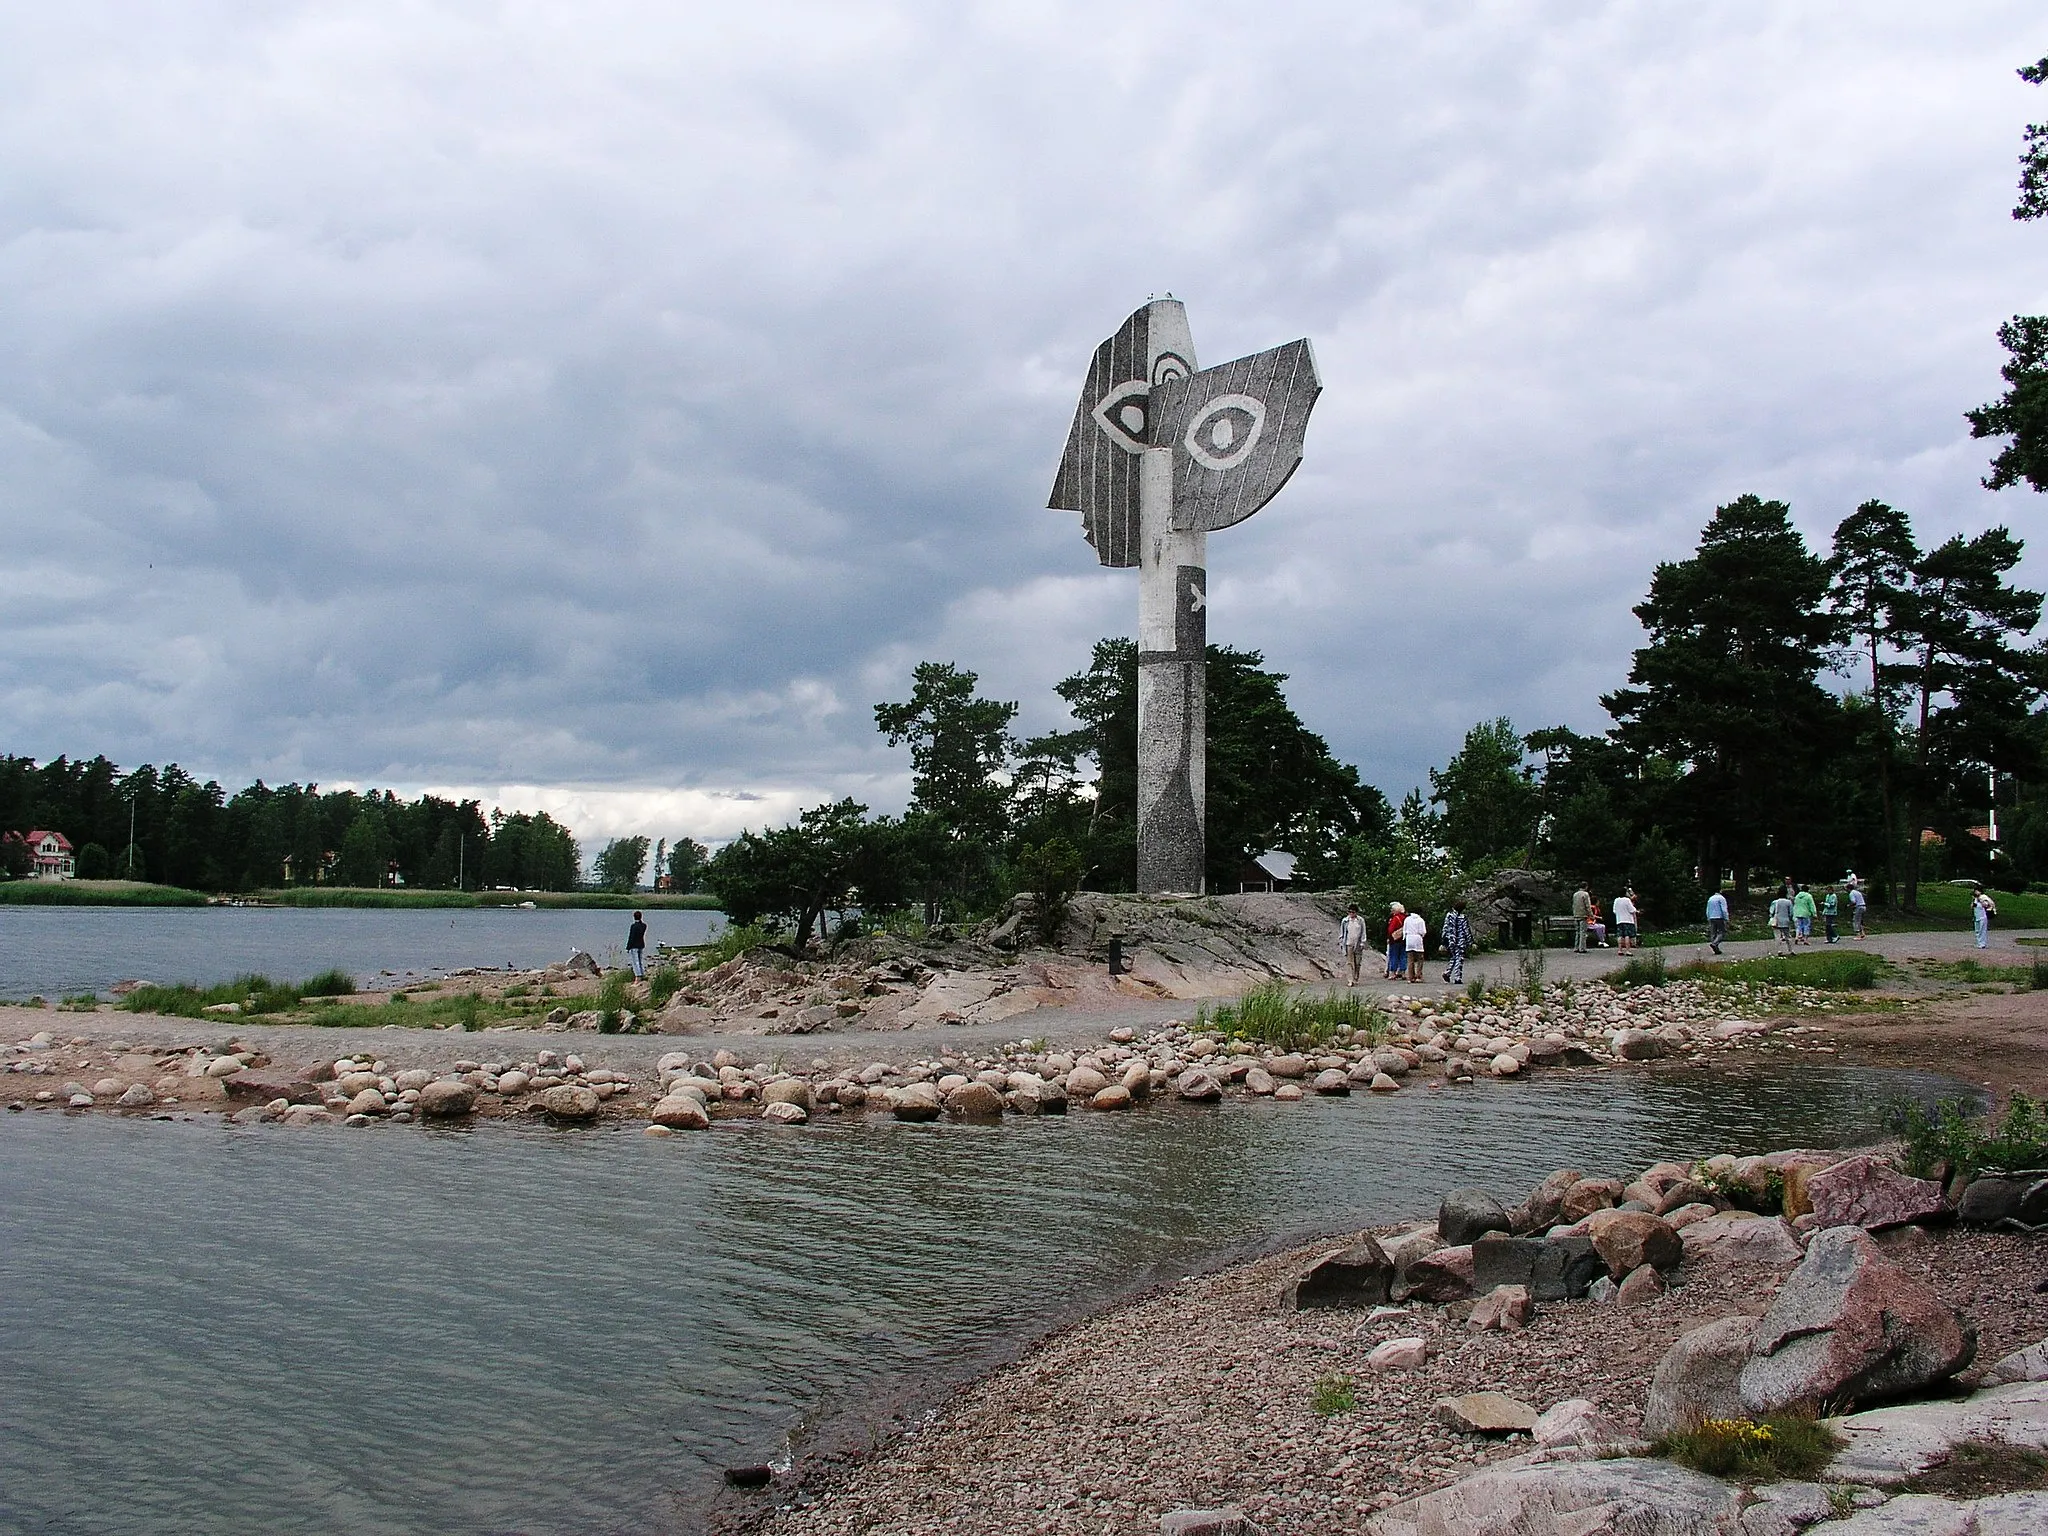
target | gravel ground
[{"x": 1200, "y": 1395}]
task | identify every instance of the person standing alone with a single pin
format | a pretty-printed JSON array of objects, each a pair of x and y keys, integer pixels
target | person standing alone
[
  {"x": 1582, "y": 913},
  {"x": 1830, "y": 910},
  {"x": 1457, "y": 937},
  {"x": 1717, "y": 921},
  {"x": 1982, "y": 910},
  {"x": 1858, "y": 904},
  {"x": 636, "y": 947},
  {"x": 1351, "y": 933}
]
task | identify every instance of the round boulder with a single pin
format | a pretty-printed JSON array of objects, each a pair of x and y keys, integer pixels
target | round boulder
[
  {"x": 1627, "y": 1240},
  {"x": 446, "y": 1099},
  {"x": 569, "y": 1103},
  {"x": 1199, "y": 1087},
  {"x": 783, "y": 1112},
  {"x": 975, "y": 1101},
  {"x": 681, "y": 1112},
  {"x": 1332, "y": 1081},
  {"x": 790, "y": 1090},
  {"x": 1467, "y": 1213},
  {"x": 1115, "y": 1096}
]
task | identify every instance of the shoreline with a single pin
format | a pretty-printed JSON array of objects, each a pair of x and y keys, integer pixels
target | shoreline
[{"x": 1194, "y": 1393}]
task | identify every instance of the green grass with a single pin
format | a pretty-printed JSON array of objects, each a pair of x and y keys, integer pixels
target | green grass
[
  {"x": 1977, "y": 972},
  {"x": 1271, "y": 1014},
  {"x": 1753, "y": 1451},
  {"x": 1333, "y": 1395},
  {"x": 96, "y": 893},
  {"x": 256, "y": 994},
  {"x": 1830, "y": 970},
  {"x": 1640, "y": 970},
  {"x": 353, "y": 896},
  {"x": 663, "y": 983}
]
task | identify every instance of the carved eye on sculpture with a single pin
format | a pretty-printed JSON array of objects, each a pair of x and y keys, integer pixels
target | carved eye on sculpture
[
  {"x": 1169, "y": 365},
  {"x": 1121, "y": 414},
  {"x": 1224, "y": 430}
]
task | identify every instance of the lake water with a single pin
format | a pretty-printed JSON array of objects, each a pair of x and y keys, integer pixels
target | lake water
[
  {"x": 228, "y": 1330},
  {"x": 63, "y": 951}
]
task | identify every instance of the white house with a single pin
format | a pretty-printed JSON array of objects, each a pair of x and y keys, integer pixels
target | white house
[{"x": 53, "y": 856}]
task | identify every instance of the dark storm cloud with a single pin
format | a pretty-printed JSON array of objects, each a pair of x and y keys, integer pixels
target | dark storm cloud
[{"x": 605, "y": 409}]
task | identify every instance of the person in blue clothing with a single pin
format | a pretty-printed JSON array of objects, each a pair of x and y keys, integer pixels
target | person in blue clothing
[
  {"x": 1717, "y": 921},
  {"x": 636, "y": 947}
]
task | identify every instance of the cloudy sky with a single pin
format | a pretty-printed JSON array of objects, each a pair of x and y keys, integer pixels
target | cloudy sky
[{"x": 600, "y": 408}]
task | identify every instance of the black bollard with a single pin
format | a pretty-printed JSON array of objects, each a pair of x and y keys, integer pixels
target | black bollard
[{"x": 1116, "y": 957}]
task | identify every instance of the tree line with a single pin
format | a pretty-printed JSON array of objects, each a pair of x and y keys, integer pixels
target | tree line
[{"x": 195, "y": 834}]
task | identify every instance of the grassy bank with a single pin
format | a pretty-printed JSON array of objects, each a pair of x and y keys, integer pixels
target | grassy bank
[
  {"x": 1831, "y": 970},
  {"x": 252, "y": 993},
  {"x": 96, "y": 893},
  {"x": 352, "y": 896}
]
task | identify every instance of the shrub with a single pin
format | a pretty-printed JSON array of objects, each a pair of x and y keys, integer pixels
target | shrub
[
  {"x": 335, "y": 983},
  {"x": 613, "y": 994},
  {"x": 733, "y": 940},
  {"x": 663, "y": 983},
  {"x": 1644, "y": 968},
  {"x": 1782, "y": 1445},
  {"x": 1948, "y": 1133},
  {"x": 1529, "y": 967},
  {"x": 255, "y": 993},
  {"x": 1333, "y": 1395}
]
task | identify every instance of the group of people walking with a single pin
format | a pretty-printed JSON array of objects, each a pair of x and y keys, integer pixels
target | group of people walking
[{"x": 1407, "y": 943}]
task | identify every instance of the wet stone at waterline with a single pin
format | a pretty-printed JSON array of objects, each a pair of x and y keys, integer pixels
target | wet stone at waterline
[{"x": 1159, "y": 455}]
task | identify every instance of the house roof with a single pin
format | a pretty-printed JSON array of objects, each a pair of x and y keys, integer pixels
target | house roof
[
  {"x": 1277, "y": 864},
  {"x": 63, "y": 842}
]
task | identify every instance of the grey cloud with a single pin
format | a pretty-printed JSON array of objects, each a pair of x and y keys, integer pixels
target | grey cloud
[{"x": 627, "y": 400}]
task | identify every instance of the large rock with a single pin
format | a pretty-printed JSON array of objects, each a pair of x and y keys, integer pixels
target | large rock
[
  {"x": 136, "y": 1096},
  {"x": 1890, "y": 1445},
  {"x": 1085, "y": 1082},
  {"x": 1546, "y": 1202},
  {"x": 1627, "y": 1240},
  {"x": 447, "y": 1098},
  {"x": 2029, "y": 1364},
  {"x": 681, "y": 1112},
  {"x": 1576, "y": 1424},
  {"x": 1498, "y": 1259},
  {"x": 1444, "y": 1275},
  {"x": 567, "y": 1103},
  {"x": 1588, "y": 1196},
  {"x": 975, "y": 1101},
  {"x": 1485, "y": 1413},
  {"x": 1358, "y": 1276},
  {"x": 1404, "y": 1354},
  {"x": 1331, "y": 1081},
  {"x": 262, "y": 1085},
  {"x": 1850, "y": 1326},
  {"x": 1699, "y": 1377},
  {"x": 1639, "y": 1045},
  {"x": 1467, "y": 1213},
  {"x": 790, "y": 1090},
  {"x": 1625, "y": 1497},
  {"x": 1199, "y": 1086},
  {"x": 783, "y": 1112},
  {"x": 1864, "y": 1192},
  {"x": 1738, "y": 1238},
  {"x": 915, "y": 1101},
  {"x": 2004, "y": 1202},
  {"x": 1566, "y": 1269}
]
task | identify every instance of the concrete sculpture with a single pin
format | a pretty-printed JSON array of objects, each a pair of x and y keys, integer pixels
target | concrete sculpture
[{"x": 1159, "y": 456}]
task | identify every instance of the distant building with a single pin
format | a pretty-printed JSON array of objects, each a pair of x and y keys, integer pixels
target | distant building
[
  {"x": 1270, "y": 871},
  {"x": 53, "y": 856}
]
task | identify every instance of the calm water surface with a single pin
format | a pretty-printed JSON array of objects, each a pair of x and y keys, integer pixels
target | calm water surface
[
  {"x": 62, "y": 951},
  {"x": 257, "y": 1330}
]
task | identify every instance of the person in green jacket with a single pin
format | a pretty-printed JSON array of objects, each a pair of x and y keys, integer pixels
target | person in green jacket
[
  {"x": 1830, "y": 909},
  {"x": 1802, "y": 914}
]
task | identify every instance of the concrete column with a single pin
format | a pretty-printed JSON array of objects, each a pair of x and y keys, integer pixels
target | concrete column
[{"x": 1173, "y": 633}]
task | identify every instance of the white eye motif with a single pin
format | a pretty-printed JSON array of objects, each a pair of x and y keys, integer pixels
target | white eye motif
[
  {"x": 1122, "y": 415},
  {"x": 1225, "y": 430}
]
